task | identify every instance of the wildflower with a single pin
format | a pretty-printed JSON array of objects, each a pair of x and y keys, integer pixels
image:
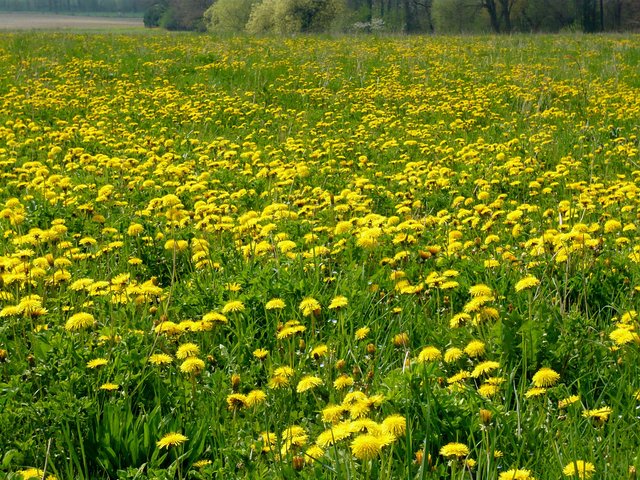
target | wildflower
[
  {"x": 233, "y": 306},
  {"x": 255, "y": 397},
  {"x": 275, "y": 304},
  {"x": 545, "y": 377},
  {"x": 454, "y": 450},
  {"x": 366, "y": 447},
  {"x": 342, "y": 382},
  {"x": 160, "y": 359},
  {"x": 338, "y": 302},
  {"x": 79, "y": 321},
  {"x": 362, "y": 333},
  {"x": 599, "y": 415},
  {"x": 475, "y": 348},
  {"x": 260, "y": 353},
  {"x": 481, "y": 290},
  {"x": 565, "y": 402},
  {"x": 172, "y": 439},
  {"x": 319, "y": 352},
  {"x": 109, "y": 387},
  {"x": 236, "y": 401},
  {"x": 484, "y": 367},
  {"x": 516, "y": 474},
  {"x": 202, "y": 463},
  {"x": 192, "y": 365},
  {"x": 332, "y": 413},
  {"x": 401, "y": 340},
  {"x": 452, "y": 354},
  {"x": 488, "y": 390},
  {"x": 429, "y": 354},
  {"x": 526, "y": 283},
  {"x": 97, "y": 362},
  {"x": 535, "y": 392},
  {"x": 579, "y": 468},
  {"x": 395, "y": 425},
  {"x": 313, "y": 453},
  {"x": 187, "y": 350},
  {"x": 307, "y": 383},
  {"x": 310, "y": 306}
]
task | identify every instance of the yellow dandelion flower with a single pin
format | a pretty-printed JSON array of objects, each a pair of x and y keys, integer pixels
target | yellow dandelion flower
[
  {"x": 481, "y": 290},
  {"x": 260, "y": 353},
  {"x": 395, "y": 425},
  {"x": 172, "y": 439},
  {"x": 535, "y": 392},
  {"x": 319, "y": 352},
  {"x": 459, "y": 319},
  {"x": 275, "y": 304},
  {"x": 565, "y": 402},
  {"x": 214, "y": 317},
  {"x": 516, "y": 474},
  {"x": 309, "y": 306},
  {"x": 192, "y": 365},
  {"x": 342, "y": 382},
  {"x": 453, "y": 354},
  {"x": 580, "y": 469},
  {"x": 454, "y": 450},
  {"x": 160, "y": 359},
  {"x": 256, "y": 397},
  {"x": 233, "y": 307},
  {"x": 313, "y": 453},
  {"x": 109, "y": 387},
  {"x": 526, "y": 283},
  {"x": 600, "y": 415},
  {"x": 366, "y": 447},
  {"x": 338, "y": 302},
  {"x": 545, "y": 377},
  {"x": 187, "y": 350},
  {"x": 79, "y": 321},
  {"x": 484, "y": 367},
  {"x": 362, "y": 333},
  {"x": 332, "y": 413},
  {"x": 202, "y": 463},
  {"x": 429, "y": 354},
  {"x": 307, "y": 383},
  {"x": 488, "y": 390},
  {"x": 475, "y": 348},
  {"x": 235, "y": 401},
  {"x": 97, "y": 362}
]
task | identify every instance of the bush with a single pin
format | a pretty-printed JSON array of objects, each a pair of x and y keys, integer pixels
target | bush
[
  {"x": 292, "y": 16},
  {"x": 228, "y": 16},
  {"x": 154, "y": 14}
]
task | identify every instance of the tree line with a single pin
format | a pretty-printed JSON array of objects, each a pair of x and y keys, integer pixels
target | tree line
[
  {"x": 408, "y": 16},
  {"x": 77, "y": 6}
]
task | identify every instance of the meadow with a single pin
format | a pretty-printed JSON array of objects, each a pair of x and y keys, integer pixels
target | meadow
[{"x": 314, "y": 257}]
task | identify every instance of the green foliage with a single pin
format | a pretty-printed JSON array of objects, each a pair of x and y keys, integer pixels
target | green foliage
[
  {"x": 228, "y": 16},
  {"x": 293, "y": 16}
]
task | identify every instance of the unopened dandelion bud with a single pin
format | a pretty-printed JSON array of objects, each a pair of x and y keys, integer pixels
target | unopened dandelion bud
[
  {"x": 298, "y": 463},
  {"x": 153, "y": 310},
  {"x": 3, "y": 355},
  {"x": 340, "y": 364},
  {"x": 371, "y": 349},
  {"x": 486, "y": 416},
  {"x": 163, "y": 318},
  {"x": 401, "y": 340},
  {"x": 301, "y": 344},
  {"x": 235, "y": 382}
]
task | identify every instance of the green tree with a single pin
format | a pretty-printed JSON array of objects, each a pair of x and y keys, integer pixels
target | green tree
[
  {"x": 292, "y": 16},
  {"x": 228, "y": 16}
]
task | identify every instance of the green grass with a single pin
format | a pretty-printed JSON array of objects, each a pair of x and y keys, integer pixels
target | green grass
[{"x": 395, "y": 172}]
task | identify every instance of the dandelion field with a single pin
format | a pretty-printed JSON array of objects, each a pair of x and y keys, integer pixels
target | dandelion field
[{"x": 319, "y": 258}]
